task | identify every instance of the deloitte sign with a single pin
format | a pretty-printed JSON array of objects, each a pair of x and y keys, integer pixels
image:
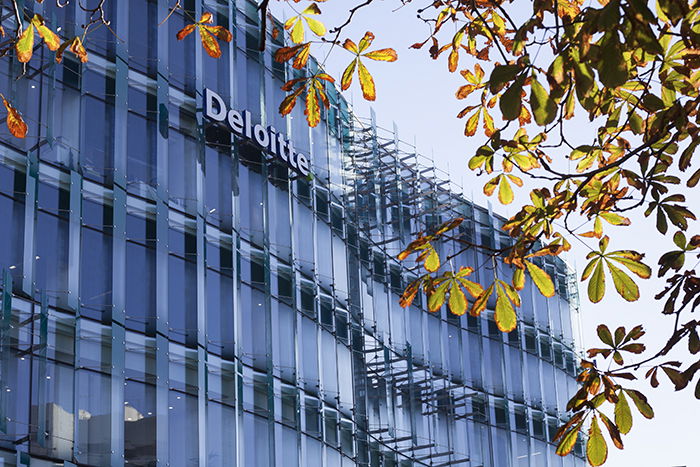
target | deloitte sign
[{"x": 267, "y": 138}]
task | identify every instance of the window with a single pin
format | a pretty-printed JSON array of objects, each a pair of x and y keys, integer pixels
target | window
[
  {"x": 326, "y": 303},
  {"x": 307, "y": 298},
  {"x": 330, "y": 427},
  {"x": 289, "y": 405},
  {"x": 312, "y": 416}
]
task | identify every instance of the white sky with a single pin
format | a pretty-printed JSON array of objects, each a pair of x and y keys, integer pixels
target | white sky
[{"x": 418, "y": 95}]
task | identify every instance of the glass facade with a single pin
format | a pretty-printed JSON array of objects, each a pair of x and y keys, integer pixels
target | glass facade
[{"x": 173, "y": 296}]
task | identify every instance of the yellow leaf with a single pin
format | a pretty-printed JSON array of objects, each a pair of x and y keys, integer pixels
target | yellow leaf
[
  {"x": 491, "y": 185},
  {"x": 505, "y": 313},
  {"x": 302, "y": 57},
  {"x": 25, "y": 44},
  {"x": 75, "y": 45},
  {"x": 297, "y": 34},
  {"x": 453, "y": 60},
  {"x": 479, "y": 72},
  {"x": 474, "y": 289},
  {"x": 519, "y": 279},
  {"x": 366, "y": 82},
  {"x": 511, "y": 293},
  {"x": 316, "y": 26},
  {"x": 437, "y": 298},
  {"x": 210, "y": 44},
  {"x": 15, "y": 123},
  {"x": 290, "y": 22},
  {"x": 365, "y": 42},
  {"x": 321, "y": 93},
  {"x": 50, "y": 38},
  {"x": 312, "y": 9},
  {"x": 517, "y": 180},
  {"x": 597, "y": 448},
  {"x": 346, "y": 80},
  {"x": 432, "y": 262},
  {"x": 384, "y": 55},
  {"x": 541, "y": 279},
  {"x": 479, "y": 304},
  {"x": 79, "y": 50},
  {"x": 325, "y": 77},
  {"x": 312, "y": 111},
  {"x": 614, "y": 219},
  {"x": 505, "y": 191},
  {"x": 489, "y": 126},
  {"x": 472, "y": 124},
  {"x": 598, "y": 227},
  {"x": 458, "y": 302},
  {"x": 207, "y": 18}
]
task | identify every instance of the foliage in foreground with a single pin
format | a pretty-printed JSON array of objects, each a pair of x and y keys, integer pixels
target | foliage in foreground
[{"x": 632, "y": 68}]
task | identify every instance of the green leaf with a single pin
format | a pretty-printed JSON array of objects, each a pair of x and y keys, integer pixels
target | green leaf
[
  {"x": 613, "y": 430},
  {"x": 678, "y": 379},
  {"x": 556, "y": 69},
  {"x": 680, "y": 240},
  {"x": 589, "y": 268},
  {"x": 585, "y": 84},
  {"x": 612, "y": 66},
  {"x": 624, "y": 284},
  {"x": 543, "y": 107},
  {"x": 505, "y": 313},
  {"x": 623, "y": 414},
  {"x": 674, "y": 10},
  {"x": 458, "y": 302},
  {"x": 597, "y": 448},
  {"x": 511, "y": 100},
  {"x": 500, "y": 75},
  {"x": 640, "y": 401},
  {"x": 693, "y": 341},
  {"x": 568, "y": 442},
  {"x": 604, "y": 335},
  {"x": 541, "y": 279},
  {"x": 633, "y": 348},
  {"x": 661, "y": 223},
  {"x": 637, "y": 267},
  {"x": 619, "y": 335},
  {"x": 596, "y": 286}
]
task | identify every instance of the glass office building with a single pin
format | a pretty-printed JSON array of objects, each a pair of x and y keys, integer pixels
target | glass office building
[{"x": 174, "y": 296}]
